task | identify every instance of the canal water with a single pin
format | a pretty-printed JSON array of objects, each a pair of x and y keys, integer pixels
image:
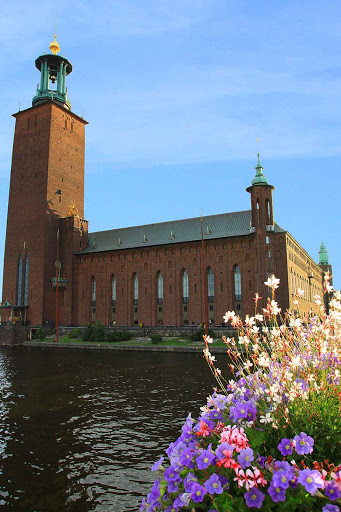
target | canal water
[{"x": 79, "y": 430}]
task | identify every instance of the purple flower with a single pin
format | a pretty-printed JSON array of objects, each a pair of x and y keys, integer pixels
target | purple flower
[
  {"x": 171, "y": 474},
  {"x": 187, "y": 426},
  {"x": 282, "y": 479},
  {"x": 197, "y": 493},
  {"x": 219, "y": 401},
  {"x": 213, "y": 485},
  {"x": 154, "y": 494},
  {"x": 330, "y": 508},
  {"x": 186, "y": 458},
  {"x": 189, "y": 481},
  {"x": 242, "y": 410},
  {"x": 285, "y": 447},
  {"x": 143, "y": 506},
  {"x": 332, "y": 491},
  {"x": 245, "y": 457},
  {"x": 221, "y": 449},
  {"x": 254, "y": 498},
  {"x": 182, "y": 500},
  {"x": 158, "y": 464},
  {"x": 311, "y": 480},
  {"x": 277, "y": 493},
  {"x": 303, "y": 444},
  {"x": 172, "y": 486},
  {"x": 205, "y": 458}
]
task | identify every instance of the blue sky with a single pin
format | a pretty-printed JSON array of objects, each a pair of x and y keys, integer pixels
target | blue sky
[{"x": 176, "y": 93}]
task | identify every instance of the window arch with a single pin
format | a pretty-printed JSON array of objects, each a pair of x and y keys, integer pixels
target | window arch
[
  {"x": 19, "y": 283},
  {"x": 27, "y": 272},
  {"x": 210, "y": 284},
  {"x": 135, "y": 287},
  {"x": 113, "y": 290},
  {"x": 258, "y": 213},
  {"x": 159, "y": 288},
  {"x": 185, "y": 287},
  {"x": 237, "y": 283}
]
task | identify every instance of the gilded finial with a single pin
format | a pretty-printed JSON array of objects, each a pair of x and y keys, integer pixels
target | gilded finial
[{"x": 54, "y": 46}]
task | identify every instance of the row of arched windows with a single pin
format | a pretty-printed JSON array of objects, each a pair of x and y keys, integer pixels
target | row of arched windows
[{"x": 185, "y": 286}]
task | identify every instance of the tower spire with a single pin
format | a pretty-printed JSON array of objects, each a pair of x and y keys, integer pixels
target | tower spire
[{"x": 259, "y": 179}]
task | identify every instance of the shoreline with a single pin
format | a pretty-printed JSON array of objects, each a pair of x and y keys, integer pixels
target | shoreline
[{"x": 197, "y": 349}]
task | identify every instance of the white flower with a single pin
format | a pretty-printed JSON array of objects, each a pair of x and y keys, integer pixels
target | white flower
[
  {"x": 266, "y": 419},
  {"x": 249, "y": 321},
  {"x": 295, "y": 322},
  {"x": 295, "y": 302},
  {"x": 317, "y": 299},
  {"x": 300, "y": 292},
  {"x": 259, "y": 318},
  {"x": 208, "y": 339},
  {"x": 272, "y": 282},
  {"x": 229, "y": 315}
]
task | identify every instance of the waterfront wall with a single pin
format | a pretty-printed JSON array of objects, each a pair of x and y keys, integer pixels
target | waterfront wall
[{"x": 13, "y": 334}]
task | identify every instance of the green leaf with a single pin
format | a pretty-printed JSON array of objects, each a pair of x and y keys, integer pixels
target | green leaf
[{"x": 255, "y": 437}]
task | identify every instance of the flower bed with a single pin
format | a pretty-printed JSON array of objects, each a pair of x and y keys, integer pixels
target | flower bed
[{"x": 269, "y": 439}]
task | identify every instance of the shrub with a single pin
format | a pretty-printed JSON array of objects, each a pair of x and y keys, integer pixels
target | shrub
[
  {"x": 39, "y": 334},
  {"x": 94, "y": 332},
  {"x": 118, "y": 336},
  {"x": 156, "y": 338},
  {"x": 198, "y": 334},
  {"x": 75, "y": 333}
]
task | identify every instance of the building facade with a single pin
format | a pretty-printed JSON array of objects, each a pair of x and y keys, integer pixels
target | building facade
[{"x": 158, "y": 274}]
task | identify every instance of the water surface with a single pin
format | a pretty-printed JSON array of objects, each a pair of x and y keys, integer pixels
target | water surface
[{"x": 79, "y": 430}]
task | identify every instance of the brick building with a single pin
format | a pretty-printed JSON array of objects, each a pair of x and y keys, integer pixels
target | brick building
[{"x": 157, "y": 274}]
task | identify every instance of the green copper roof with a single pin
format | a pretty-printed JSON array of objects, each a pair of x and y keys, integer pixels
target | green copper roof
[
  {"x": 259, "y": 179},
  {"x": 323, "y": 255},
  {"x": 223, "y": 225}
]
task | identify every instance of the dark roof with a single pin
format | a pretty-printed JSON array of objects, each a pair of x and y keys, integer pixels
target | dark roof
[{"x": 224, "y": 225}]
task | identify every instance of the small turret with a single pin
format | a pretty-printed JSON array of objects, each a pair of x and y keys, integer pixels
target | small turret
[
  {"x": 261, "y": 201},
  {"x": 323, "y": 255}
]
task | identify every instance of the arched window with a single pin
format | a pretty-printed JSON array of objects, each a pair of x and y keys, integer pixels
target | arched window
[
  {"x": 185, "y": 291},
  {"x": 27, "y": 272},
  {"x": 19, "y": 284},
  {"x": 258, "y": 213},
  {"x": 159, "y": 288},
  {"x": 136, "y": 288},
  {"x": 237, "y": 283},
  {"x": 268, "y": 212},
  {"x": 113, "y": 290},
  {"x": 93, "y": 291},
  {"x": 210, "y": 285}
]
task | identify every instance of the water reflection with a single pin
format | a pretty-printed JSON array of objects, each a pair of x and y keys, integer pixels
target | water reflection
[{"x": 80, "y": 430}]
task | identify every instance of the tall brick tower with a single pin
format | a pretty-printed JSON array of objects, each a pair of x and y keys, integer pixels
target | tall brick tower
[
  {"x": 46, "y": 197},
  {"x": 263, "y": 225}
]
